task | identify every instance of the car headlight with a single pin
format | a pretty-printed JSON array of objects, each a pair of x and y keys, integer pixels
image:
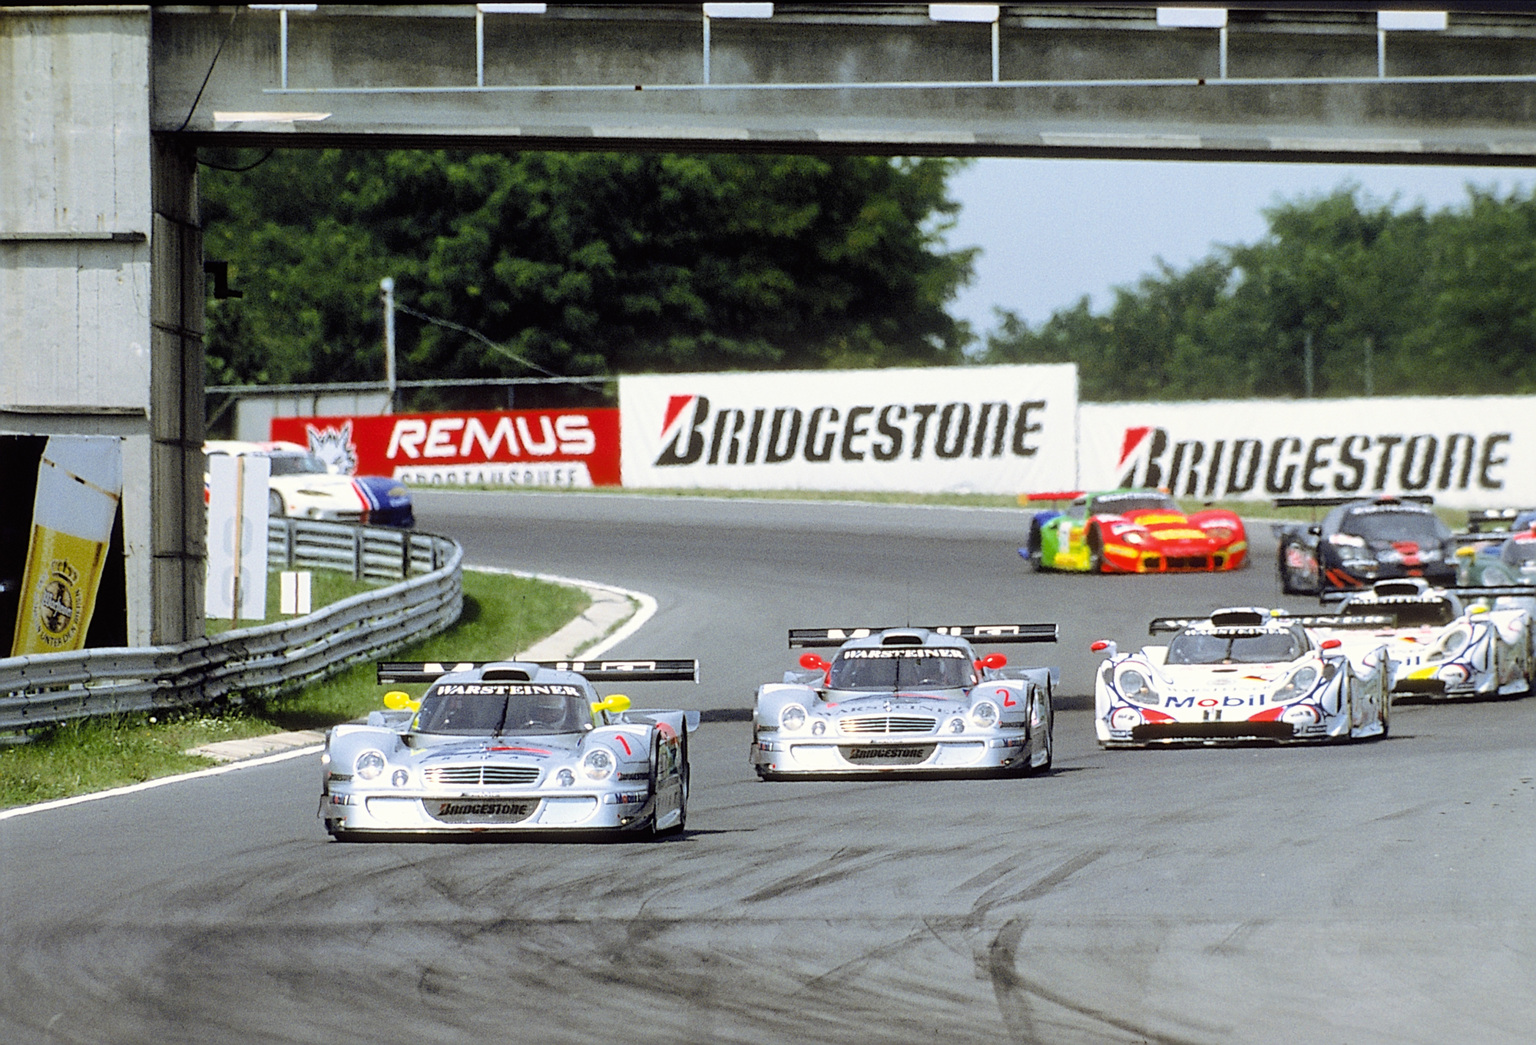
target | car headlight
[
  {"x": 1298, "y": 685},
  {"x": 598, "y": 764},
  {"x": 818, "y": 727},
  {"x": 957, "y": 725},
  {"x": 1301, "y": 715},
  {"x": 1346, "y": 540},
  {"x": 1450, "y": 644},
  {"x": 1220, "y": 532},
  {"x": 1134, "y": 537},
  {"x": 1133, "y": 685},
  {"x": 791, "y": 717},
  {"x": 565, "y": 778},
  {"x": 369, "y": 764},
  {"x": 984, "y": 714},
  {"x": 400, "y": 778}
]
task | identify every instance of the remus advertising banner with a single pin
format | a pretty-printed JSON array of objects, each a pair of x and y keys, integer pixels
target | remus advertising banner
[
  {"x": 1465, "y": 452},
  {"x": 572, "y": 447},
  {"x": 993, "y": 429}
]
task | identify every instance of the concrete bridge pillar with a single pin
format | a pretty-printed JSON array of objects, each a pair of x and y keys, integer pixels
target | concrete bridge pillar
[{"x": 101, "y": 286}]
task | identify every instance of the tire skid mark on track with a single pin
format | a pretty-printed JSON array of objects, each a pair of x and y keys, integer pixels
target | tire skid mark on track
[{"x": 1023, "y": 1003}]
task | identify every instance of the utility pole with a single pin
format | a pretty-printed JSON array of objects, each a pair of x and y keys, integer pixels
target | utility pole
[
  {"x": 1306, "y": 348},
  {"x": 387, "y": 287}
]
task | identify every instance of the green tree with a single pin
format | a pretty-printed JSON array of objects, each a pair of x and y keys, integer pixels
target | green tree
[{"x": 580, "y": 263}]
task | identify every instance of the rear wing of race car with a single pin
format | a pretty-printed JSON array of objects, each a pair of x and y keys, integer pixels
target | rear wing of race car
[
  {"x": 1488, "y": 521},
  {"x": 404, "y": 671},
  {"x": 1165, "y": 625},
  {"x": 979, "y": 634},
  {"x": 1462, "y": 591},
  {"x": 1334, "y": 502}
]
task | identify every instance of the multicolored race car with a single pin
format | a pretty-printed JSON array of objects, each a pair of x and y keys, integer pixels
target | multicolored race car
[{"x": 1132, "y": 531}]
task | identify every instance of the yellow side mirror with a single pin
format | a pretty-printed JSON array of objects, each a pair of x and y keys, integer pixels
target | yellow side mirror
[
  {"x": 613, "y": 705},
  {"x": 398, "y": 700},
  {"x": 1465, "y": 552}
]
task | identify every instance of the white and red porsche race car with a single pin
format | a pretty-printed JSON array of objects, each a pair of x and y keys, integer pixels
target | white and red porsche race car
[
  {"x": 1242, "y": 674},
  {"x": 1458, "y": 641}
]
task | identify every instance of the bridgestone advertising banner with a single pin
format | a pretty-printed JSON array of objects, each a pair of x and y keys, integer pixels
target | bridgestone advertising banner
[
  {"x": 1464, "y": 452},
  {"x": 994, "y": 429},
  {"x": 492, "y": 447}
]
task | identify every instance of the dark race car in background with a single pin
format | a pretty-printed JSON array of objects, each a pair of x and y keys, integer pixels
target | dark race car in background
[
  {"x": 1132, "y": 531},
  {"x": 1361, "y": 541}
]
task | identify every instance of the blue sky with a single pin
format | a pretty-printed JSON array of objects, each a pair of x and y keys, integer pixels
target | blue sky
[{"x": 1054, "y": 230}]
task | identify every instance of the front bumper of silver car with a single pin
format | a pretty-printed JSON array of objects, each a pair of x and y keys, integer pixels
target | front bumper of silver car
[{"x": 822, "y": 755}]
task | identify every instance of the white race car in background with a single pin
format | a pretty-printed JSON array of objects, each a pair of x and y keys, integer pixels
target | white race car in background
[
  {"x": 1242, "y": 674},
  {"x": 302, "y": 487},
  {"x": 1442, "y": 643}
]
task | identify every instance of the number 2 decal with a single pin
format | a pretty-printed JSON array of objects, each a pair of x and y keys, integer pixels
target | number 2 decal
[{"x": 1008, "y": 701}]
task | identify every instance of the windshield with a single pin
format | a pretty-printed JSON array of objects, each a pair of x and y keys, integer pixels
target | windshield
[
  {"x": 917, "y": 667},
  {"x": 1120, "y": 503},
  {"x": 1375, "y": 525},
  {"x": 297, "y": 464},
  {"x": 1268, "y": 648},
  {"x": 483, "y": 709}
]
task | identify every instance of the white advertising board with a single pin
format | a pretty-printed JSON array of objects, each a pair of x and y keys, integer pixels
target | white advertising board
[
  {"x": 1463, "y": 451},
  {"x": 988, "y": 429},
  {"x": 237, "y": 536}
]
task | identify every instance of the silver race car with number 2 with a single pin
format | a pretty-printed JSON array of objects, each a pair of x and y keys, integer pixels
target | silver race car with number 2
[
  {"x": 1242, "y": 674},
  {"x": 510, "y": 746},
  {"x": 908, "y": 700}
]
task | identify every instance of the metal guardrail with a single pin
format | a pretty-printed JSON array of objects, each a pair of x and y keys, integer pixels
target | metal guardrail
[{"x": 45, "y": 688}]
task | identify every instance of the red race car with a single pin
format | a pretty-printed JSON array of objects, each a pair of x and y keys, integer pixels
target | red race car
[{"x": 1132, "y": 531}]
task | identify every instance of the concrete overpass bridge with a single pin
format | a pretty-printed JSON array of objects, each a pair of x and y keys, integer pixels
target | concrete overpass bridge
[{"x": 102, "y": 111}]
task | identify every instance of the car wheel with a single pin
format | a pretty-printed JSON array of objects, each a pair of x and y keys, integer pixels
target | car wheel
[
  {"x": 1035, "y": 548},
  {"x": 1050, "y": 750},
  {"x": 275, "y": 507},
  {"x": 684, "y": 773},
  {"x": 1095, "y": 552},
  {"x": 1386, "y": 712},
  {"x": 1294, "y": 580}
]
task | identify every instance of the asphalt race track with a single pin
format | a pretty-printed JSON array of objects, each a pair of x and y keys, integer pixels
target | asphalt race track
[{"x": 1370, "y": 893}]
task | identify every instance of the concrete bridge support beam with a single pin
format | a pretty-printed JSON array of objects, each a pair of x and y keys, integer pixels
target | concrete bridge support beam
[{"x": 101, "y": 315}]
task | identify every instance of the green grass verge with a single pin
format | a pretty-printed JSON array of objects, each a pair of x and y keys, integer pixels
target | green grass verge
[
  {"x": 502, "y": 615},
  {"x": 326, "y": 587}
]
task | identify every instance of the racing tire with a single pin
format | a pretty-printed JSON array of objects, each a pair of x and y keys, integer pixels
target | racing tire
[
  {"x": 275, "y": 507},
  {"x": 1095, "y": 551},
  {"x": 1035, "y": 548},
  {"x": 684, "y": 775},
  {"x": 1296, "y": 582},
  {"x": 1050, "y": 749}
]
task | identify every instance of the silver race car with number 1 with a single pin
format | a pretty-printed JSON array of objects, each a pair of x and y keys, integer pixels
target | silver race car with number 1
[
  {"x": 908, "y": 700},
  {"x": 511, "y": 746}
]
